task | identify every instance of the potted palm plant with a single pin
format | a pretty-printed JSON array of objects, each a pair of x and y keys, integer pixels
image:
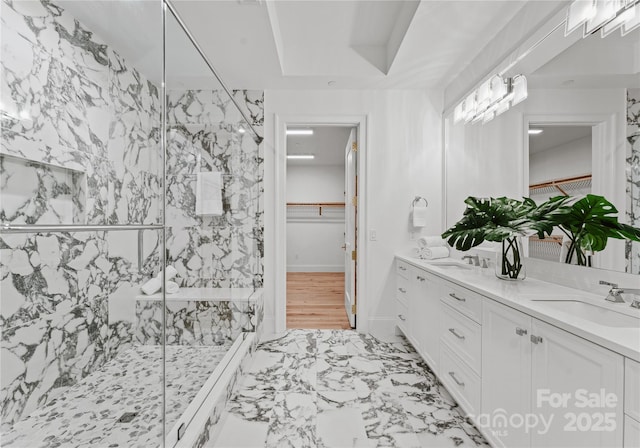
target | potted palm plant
[
  {"x": 589, "y": 222},
  {"x": 506, "y": 221}
]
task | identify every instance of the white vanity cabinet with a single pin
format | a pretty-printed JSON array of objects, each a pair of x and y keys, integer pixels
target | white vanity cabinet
[
  {"x": 533, "y": 368},
  {"x": 631, "y": 403},
  {"x": 417, "y": 308}
]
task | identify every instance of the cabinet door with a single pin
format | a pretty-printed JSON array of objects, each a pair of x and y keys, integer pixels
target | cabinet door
[
  {"x": 427, "y": 317},
  {"x": 506, "y": 373},
  {"x": 579, "y": 386}
]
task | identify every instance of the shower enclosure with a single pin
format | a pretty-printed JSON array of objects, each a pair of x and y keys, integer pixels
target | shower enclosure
[{"x": 121, "y": 154}]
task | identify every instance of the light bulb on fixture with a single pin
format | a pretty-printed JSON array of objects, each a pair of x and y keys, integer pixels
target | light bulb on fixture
[
  {"x": 519, "y": 89},
  {"x": 604, "y": 15},
  {"x": 301, "y": 156}
]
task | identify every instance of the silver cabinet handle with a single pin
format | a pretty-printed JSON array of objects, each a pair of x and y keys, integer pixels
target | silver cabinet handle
[
  {"x": 402, "y": 290},
  {"x": 402, "y": 268},
  {"x": 521, "y": 331},
  {"x": 458, "y": 382},
  {"x": 456, "y": 334},
  {"x": 402, "y": 318},
  {"x": 420, "y": 278},
  {"x": 536, "y": 339},
  {"x": 459, "y": 299}
]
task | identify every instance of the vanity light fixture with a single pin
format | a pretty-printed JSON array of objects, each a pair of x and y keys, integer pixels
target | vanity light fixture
[
  {"x": 301, "y": 156},
  {"x": 299, "y": 131},
  {"x": 605, "y": 16},
  {"x": 492, "y": 98}
]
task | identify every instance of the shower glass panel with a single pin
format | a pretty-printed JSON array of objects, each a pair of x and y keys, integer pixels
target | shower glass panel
[
  {"x": 213, "y": 227},
  {"x": 81, "y": 205}
]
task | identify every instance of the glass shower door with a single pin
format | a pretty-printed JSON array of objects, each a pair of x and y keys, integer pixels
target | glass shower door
[
  {"x": 213, "y": 225},
  {"x": 81, "y": 168}
]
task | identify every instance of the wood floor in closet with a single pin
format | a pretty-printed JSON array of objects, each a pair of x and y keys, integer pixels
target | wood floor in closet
[{"x": 315, "y": 300}]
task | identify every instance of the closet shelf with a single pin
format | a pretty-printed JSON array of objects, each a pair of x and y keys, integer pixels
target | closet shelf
[
  {"x": 318, "y": 205},
  {"x": 562, "y": 185}
]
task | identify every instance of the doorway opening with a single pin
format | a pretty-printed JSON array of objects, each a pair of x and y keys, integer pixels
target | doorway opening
[{"x": 321, "y": 226}]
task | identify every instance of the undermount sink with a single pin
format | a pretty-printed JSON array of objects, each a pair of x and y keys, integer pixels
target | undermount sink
[
  {"x": 593, "y": 313},
  {"x": 450, "y": 265}
]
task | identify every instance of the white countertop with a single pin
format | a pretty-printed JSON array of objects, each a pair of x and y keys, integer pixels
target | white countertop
[
  {"x": 208, "y": 294},
  {"x": 519, "y": 294}
]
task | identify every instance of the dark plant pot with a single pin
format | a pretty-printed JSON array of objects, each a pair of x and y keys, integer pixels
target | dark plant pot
[{"x": 509, "y": 260}]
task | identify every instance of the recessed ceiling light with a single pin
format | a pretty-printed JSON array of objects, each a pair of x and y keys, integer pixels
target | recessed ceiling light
[
  {"x": 535, "y": 131},
  {"x": 299, "y": 131},
  {"x": 301, "y": 156}
]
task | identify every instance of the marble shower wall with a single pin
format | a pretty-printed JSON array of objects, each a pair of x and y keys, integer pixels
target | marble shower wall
[
  {"x": 633, "y": 176},
  {"x": 207, "y": 133},
  {"x": 80, "y": 143}
]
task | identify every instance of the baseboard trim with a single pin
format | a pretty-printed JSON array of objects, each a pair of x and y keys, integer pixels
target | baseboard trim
[{"x": 383, "y": 328}]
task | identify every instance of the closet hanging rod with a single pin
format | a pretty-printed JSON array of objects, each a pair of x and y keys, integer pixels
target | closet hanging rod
[
  {"x": 37, "y": 228},
  {"x": 315, "y": 204},
  {"x": 565, "y": 181}
]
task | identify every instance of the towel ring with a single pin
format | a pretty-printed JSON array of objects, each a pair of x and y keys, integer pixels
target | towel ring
[{"x": 418, "y": 199}]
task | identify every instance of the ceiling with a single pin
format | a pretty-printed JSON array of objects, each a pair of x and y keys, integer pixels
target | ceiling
[
  {"x": 554, "y": 136},
  {"x": 327, "y": 144},
  {"x": 346, "y": 44},
  {"x": 593, "y": 62}
]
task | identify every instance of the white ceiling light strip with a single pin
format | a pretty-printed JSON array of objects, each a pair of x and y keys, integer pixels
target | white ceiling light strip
[{"x": 491, "y": 99}]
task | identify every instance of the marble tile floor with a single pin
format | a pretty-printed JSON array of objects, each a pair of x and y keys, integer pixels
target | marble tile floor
[
  {"x": 86, "y": 414},
  {"x": 337, "y": 388}
]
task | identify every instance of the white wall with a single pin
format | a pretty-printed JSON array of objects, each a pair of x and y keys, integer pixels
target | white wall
[
  {"x": 314, "y": 243},
  {"x": 403, "y": 160},
  {"x": 569, "y": 160},
  {"x": 324, "y": 183}
]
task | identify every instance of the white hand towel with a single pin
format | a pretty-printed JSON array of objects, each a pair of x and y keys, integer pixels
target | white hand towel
[
  {"x": 155, "y": 284},
  {"x": 209, "y": 193},
  {"x": 172, "y": 288},
  {"x": 169, "y": 273},
  {"x": 152, "y": 286},
  {"x": 431, "y": 241},
  {"x": 433, "y": 253},
  {"x": 419, "y": 216}
]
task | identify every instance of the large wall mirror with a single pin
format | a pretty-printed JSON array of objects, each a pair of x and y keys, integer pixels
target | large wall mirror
[{"x": 578, "y": 132}]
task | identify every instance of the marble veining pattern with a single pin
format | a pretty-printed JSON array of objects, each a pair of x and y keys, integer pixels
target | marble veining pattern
[
  {"x": 80, "y": 143},
  {"x": 86, "y": 414},
  {"x": 205, "y": 135},
  {"x": 633, "y": 177},
  {"x": 193, "y": 322},
  {"x": 333, "y": 388}
]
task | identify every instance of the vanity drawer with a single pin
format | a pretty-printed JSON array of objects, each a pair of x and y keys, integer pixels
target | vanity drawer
[
  {"x": 632, "y": 388},
  {"x": 467, "y": 302},
  {"x": 462, "y": 382},
  {"x": 402, "y": 289},
  {"x": 462, "y": 334},
  {"x": 402, "y": 313},
  {"x": 402, "y": 269}
]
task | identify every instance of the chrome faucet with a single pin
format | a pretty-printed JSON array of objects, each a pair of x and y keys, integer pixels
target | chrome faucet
[
  {"x": 473, "y": 259},
  {"x": 635, "y": 303},
  {"x": 615, "y": 294}
]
